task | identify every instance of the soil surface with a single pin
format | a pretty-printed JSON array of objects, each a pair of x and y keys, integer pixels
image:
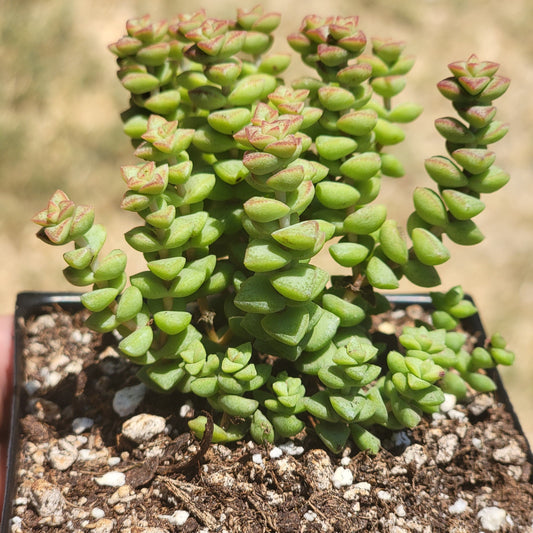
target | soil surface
[{"x": 82, "y": 467}]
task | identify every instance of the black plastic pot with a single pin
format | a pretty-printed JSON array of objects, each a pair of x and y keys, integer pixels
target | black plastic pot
[{"x": 34, "y": 303}]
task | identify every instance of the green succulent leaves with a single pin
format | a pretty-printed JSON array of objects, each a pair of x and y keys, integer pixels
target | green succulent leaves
[
  {"x": 468, "y": 170},
  {"x": 242, "y": 180}
]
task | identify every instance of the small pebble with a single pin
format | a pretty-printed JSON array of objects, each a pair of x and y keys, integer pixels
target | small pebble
[
  {"x": 45, "y": 410},
  {"x": 400, "y": 511},
  {"x": 363, "y": 487},
  {"x": 511, "y": 454},
  {"x": 310, "y": 516},
  {"x": 449, "y": 403},
  {"x": 447, "y": 445},
  {"x": 460, "y": 506},
  {"x": 80, "y": 338},
  {"x": 319, "y": 469},
  {"x": 345, "y": 461},
  {"x": 492, "y": 518},
  {"x": 187, "y": 409},
  {"x": 400, "y": 439},
  {"x": 143, "y": 427},
  {"x": 62, "y": 455},
  {"x": 388, "y": 328},
  {"x": 46, "y": 498},
  {"x": 79, "y": 425},
  {"x": 415, "y": 455},
  {"x": 476, "y": 442},
  {"x": 79, "y": 440},
  {"x": 52, "y": 379},
  {"x": 113, "y": 461},
  {"x": 257, "y": 459},
  {"x": 58, "y": 361},
  {"x": 178, "y": 518},
  {"x": 97, "y": 513},
  {"x": 111, "y": 479},
  {"x": 480, "y": 404},
  {"x": 461, "y": 431},
  {"x": 32, "y": 387},
  {"x": 273, "y": 498},
  {"x": 384, "y": 495},
  {"x": 342, "y": 477},
  {"x": 74, "y": 367},
  {"x": 128, "y": 399},
  {"x": 122, "y": 494},
  {"x": 86, "y": 455},
  {"x": 437, "y": 417},
  {"x": 104, "y": 525},
  {"x": 275, "y": 453},
  {"x": 454, "y": 414},
  {"x": 41, "y": 323},
  {"x": 398, "y": 470}
]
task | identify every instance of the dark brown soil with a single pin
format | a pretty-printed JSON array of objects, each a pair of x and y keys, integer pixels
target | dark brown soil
[{"x": 463, "y": 471}]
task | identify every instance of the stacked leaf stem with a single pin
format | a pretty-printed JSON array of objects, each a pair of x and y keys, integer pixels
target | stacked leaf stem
[{"x": 243, "y": 179}]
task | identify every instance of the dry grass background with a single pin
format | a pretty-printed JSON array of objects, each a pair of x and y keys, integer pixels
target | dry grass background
[{"x": 59, "y": 127}]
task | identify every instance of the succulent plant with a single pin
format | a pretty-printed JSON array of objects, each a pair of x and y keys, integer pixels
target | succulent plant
[{"x": 243, "y": 179}]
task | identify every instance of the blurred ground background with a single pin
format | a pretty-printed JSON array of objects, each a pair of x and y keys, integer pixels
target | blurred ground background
[{"x": 60, "y": 128}]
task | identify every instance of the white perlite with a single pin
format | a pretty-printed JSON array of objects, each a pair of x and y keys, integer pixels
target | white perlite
[
  {"x": 143, "y": 427},
  {"x": 178, "y": 518},
  {"x": 291, "y": 449},
  {"x": 492, "y": 518},
  {"x": 459, "y": 507},
  {"x": 111, "y": 479},
  {"x": 342, "y": 477},
  {"x": 359, "y": 489},
  {"x": 275, "y": 453},
  {"x": 97, "y": 513},
  {"x": 52, "y": 379},
  {"x": 363, "y": 487},
  {"x": 454, "y": 414},
  {"x": 113, "y": 461},
  {"x": 400, "y": 511},
  {"x": 128, "y": 399},
  {"x": 449, "y": 403},
  {"x": 477, "y": 443}
]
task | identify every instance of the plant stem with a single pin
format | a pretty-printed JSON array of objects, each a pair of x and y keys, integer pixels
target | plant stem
[
  {"x": 285, "y": 220},
  {"x": 210, "y": 331}
]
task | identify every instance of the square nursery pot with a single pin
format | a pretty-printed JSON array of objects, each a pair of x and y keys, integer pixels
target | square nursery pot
[{"x": 72, "y": 468}]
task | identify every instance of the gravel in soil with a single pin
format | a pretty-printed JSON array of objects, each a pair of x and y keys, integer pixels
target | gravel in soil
[{"x": 83, "y": 467}]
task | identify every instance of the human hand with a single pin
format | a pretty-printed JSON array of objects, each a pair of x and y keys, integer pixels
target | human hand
[{"x": 6, "y": 390}]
